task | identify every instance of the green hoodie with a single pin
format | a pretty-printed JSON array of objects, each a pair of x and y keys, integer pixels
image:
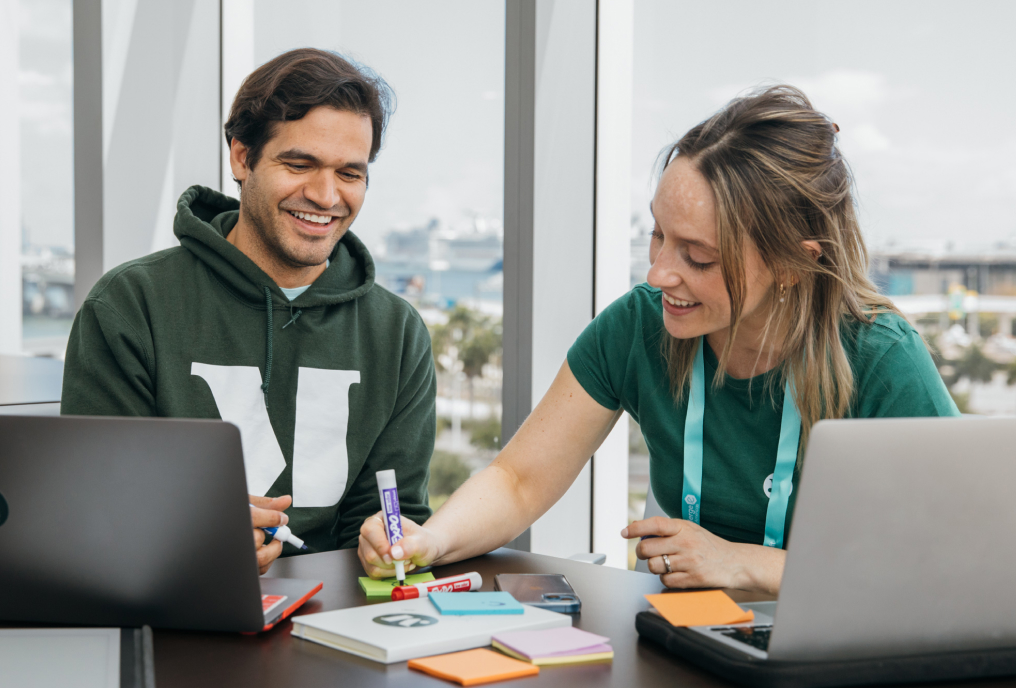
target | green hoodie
[{"x": 326, "y": 390}]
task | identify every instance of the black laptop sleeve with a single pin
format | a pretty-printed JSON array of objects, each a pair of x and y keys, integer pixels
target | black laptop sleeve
[{"x": 745, "y": 670}]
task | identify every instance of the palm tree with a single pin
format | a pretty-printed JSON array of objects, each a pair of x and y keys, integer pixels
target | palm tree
[
  {"x": 476, "y": 351},
  {"x": 975, "y": 366},
  {"x": 472, "y": 338}
]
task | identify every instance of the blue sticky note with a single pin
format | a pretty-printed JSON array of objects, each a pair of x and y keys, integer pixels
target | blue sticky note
[{"x": 463, "y": 603}]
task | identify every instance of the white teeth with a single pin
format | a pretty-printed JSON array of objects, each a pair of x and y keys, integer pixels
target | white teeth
[
  {"x": 679, "y": 303},
  {"x": 319, "y": 219}
]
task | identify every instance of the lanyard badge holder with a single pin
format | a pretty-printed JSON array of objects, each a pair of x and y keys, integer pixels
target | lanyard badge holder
[{"x": 786, "y": 455}]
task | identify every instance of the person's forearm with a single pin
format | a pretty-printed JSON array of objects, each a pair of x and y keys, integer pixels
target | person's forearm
[
  {"x": 761, "y": 569},
  {"x": 529, "y": 475},
  {"x": 489, "y": 510}
]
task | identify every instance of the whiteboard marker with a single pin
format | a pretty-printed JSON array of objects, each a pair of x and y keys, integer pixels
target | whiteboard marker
[
  {"x": 284, "y": 534},
  {"x": 392, "y": 516},
  {"x": 463, "y": 583}
]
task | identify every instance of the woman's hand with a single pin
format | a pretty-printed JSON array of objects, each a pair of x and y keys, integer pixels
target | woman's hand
[
  {"x": 528, "y": 476},
  {"x": 418, "y": 548},
  {"x": 699, "y": 559}
]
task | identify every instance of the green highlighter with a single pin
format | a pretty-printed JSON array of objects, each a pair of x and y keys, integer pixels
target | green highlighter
[{"x": 382, "y": 589}]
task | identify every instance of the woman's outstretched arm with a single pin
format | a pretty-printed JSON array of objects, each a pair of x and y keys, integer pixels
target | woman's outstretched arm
[{"x": 494, "y": 506}]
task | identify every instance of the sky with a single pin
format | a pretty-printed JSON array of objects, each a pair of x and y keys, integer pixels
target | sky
[
  {"x": 444, "y": 151},
  {"x": 46, "y": 80},
  {"x": 922, "y": 92}
]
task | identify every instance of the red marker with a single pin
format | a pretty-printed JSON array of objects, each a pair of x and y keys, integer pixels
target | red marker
[{"x": 463, "y": 583}]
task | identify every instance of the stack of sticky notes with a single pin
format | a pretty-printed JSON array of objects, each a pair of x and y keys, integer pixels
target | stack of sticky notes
[
  {"x": 475, "y": 603},
  {"x": 473, "y": 667},
  {"x": 382, "y": 589},
  {"x": 699, "y": 608},
  {"x": 555, "y": 646}
]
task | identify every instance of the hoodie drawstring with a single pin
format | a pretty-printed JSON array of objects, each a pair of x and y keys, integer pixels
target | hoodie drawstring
[
  {"x": 268, "y": 344},
  {"x": 292, "y": 317}
]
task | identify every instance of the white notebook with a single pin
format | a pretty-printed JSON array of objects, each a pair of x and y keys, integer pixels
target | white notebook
[{"x": 397, "y": 631}]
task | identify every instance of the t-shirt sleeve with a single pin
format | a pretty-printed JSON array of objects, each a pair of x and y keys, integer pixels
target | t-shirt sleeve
[
  {"x": 599, "y": 357},
  {"x": 905, "y": 383}
]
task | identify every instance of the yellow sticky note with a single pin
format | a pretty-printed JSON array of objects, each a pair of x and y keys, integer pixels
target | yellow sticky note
[
  {"x": 473, "y": 667},
  {"x": 699, "y": 608}
]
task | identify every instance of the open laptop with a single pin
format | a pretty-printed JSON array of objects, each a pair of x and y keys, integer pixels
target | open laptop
[
  {"x": 131, "y": 521},
  {"x": 901, "y": 546}
]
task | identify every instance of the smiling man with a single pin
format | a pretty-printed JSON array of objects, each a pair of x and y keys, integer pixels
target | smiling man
[{"x": 267, "y": 314}]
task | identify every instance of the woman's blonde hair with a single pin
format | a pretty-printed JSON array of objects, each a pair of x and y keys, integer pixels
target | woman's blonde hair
[{"x": 778, "y": 179}]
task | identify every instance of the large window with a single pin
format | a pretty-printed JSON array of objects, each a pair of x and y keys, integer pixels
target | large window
[
  {"x": 922, "y": 94},
  {"x": 46, "y": 175},
  {"x": 433, "y": 215}
]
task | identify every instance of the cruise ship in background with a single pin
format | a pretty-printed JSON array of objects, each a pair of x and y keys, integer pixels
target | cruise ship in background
[{"x": 437, "y": 266}]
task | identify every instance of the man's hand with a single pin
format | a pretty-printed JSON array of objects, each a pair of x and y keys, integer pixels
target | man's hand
[
  {"x": 266, "y": 512},
  {"x": 699, "y": 559},
  {"x": 418, "y": 547}
]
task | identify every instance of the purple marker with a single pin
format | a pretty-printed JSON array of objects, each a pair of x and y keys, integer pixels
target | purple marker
[{"x": 392, "y": 516}]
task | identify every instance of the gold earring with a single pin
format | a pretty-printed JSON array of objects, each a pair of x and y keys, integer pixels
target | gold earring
[{"x": 783, "y": 292}]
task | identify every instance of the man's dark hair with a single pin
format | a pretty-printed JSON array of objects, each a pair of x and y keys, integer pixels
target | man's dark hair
[{"x": 289, "y": 86}]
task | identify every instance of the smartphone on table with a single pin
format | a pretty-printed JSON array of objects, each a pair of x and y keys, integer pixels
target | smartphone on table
[{"x": 545, "y": 590}]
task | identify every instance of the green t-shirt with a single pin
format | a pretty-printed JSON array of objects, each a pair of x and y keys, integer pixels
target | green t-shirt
[{"x": 619, "y": 361}]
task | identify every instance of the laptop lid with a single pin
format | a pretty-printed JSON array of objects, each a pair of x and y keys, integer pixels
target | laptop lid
[
  {"x": 126, "y": 522},
  {"x": 901, "y": 540}
]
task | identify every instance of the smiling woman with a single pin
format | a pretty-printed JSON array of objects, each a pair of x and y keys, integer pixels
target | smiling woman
[{"x": 758, "y": 283}]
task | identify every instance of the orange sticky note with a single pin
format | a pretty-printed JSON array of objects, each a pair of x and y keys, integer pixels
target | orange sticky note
[
  {"x": 699, "y": 608},
  {"x": 473, "y": 667}
]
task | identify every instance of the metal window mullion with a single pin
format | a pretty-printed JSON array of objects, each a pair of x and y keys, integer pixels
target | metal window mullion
[
  {"x": 88, "y": 163},
  {"x": 519, "y": 127}
]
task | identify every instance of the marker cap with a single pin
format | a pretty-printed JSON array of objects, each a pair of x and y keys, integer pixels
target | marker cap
[{"x": 405, "y": 592}]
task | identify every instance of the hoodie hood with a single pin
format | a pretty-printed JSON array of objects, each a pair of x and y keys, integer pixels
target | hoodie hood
[{"x": 205, "y": 217}]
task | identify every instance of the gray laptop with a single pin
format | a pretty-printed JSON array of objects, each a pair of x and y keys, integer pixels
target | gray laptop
[
  {"x": 901, "y": 545},
  {"x": 131, "y": 521}
]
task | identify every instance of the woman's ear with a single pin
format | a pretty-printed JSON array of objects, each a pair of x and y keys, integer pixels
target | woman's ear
[{"x": 812, "y": 247}]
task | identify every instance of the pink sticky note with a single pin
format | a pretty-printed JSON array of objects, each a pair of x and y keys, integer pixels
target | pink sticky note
[{"x": 554, "y": 642}]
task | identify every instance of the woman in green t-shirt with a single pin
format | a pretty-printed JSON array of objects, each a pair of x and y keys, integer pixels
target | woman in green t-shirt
[{"x": 757, "y": 320}]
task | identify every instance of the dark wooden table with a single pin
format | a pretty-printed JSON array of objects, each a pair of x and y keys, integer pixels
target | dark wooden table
[{"x": 610, "y": 600}]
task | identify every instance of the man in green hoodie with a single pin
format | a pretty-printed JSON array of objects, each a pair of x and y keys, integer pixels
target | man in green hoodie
[{"x": 267, "y": 315}]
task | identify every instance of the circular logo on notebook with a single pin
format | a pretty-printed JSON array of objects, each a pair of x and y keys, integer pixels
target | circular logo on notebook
[
  {"x": 3, "y": 510},
  {"x": 405, "y": 620},
  {"x": 767, "y": 486},
  {"x": 690, "y": 499}
]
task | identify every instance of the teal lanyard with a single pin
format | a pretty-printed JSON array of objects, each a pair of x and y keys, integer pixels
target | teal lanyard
[{"x": 786, "y": 455}]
